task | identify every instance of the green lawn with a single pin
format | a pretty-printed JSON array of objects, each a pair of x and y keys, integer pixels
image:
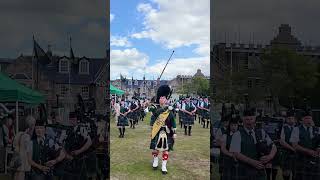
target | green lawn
[{"x": 131, "y": 157}]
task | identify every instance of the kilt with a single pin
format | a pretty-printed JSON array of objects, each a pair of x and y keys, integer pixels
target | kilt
[
  {"x": 246, "y": 172},
  {"x": 230, "y": 168},
  {"x": 122, "y": 121},
  {"x": 154, "y": 141},
  {"x": 181, "y": 115},
  {"x": 131, "y": 115},
  {"x": 287, "y": 160},
  {"x": 205, "y": 115},
  {"x": 91, "y": 164},
  {"x": 307, "y": 168},
  {"x": 276, "y": 160},
  {"x": 188, "y": 120}
]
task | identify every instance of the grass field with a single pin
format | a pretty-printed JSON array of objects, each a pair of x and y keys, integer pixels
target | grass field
[{"x": 131, "y": 157}]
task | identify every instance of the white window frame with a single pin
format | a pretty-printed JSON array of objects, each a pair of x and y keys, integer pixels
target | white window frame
[
  {"x": 130, "y": 82},
  {"x": 60, "y": 66},
  {"x": 149, "y": 83},
  {"x": 85, "y": 95},
  {"x": 63, "y": 90},
  {"x": 136, "y": 83},
  {"x": 87, "y": 68}
]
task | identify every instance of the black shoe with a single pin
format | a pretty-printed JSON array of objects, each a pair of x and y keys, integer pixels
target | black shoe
[
  {"x": 164, "y": 172},
  {"x": 120, "y": 136},
  {"x": 155, "y": 168}
]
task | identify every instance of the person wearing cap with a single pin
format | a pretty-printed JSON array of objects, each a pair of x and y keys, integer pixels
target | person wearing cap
[
  {"x": 163, "y": 125},
  {"x": 189, "y": 109},
  {"x": 122, "y": 120},
  {"x": 307, "y": 161},
  {"x": 228, "y": 165},
  {"x": 42, "y": 158},
  {"x": 249, "y": 146},
  {"x": 288, "y": 151}
]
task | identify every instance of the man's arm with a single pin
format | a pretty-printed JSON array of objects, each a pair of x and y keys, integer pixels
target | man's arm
[
  {"x": 85, "y": 147},
  {"x": 283, "y": 143},
  {"x": 294, "y": 139}
]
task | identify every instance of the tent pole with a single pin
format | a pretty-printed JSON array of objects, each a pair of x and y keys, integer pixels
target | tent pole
[{"x": 17, "y": 117}]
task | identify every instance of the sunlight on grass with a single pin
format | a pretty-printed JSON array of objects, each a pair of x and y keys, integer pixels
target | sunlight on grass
[{"x": 131, "y": 157}]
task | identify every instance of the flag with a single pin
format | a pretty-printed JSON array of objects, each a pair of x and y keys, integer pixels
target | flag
[{"x": 39, "y": 53}]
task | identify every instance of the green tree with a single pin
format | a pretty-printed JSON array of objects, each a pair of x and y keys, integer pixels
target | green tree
[
  {"x": 287, "y": 74},
  {"x": 198, "y": 85}
]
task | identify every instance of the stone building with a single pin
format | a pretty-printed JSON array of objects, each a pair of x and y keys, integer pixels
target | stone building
[
  {"x": 229, "y": 58},
  {"x": 135, "y": 87},
  {"x": 63, "y": 78}
]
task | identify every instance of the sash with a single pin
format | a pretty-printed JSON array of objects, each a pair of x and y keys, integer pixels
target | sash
[{"x": 159, "y": 123}]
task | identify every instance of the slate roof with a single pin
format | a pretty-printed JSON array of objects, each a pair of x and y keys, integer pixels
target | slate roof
[
  {"x": 95, "y": 66},
  {"x": 51, "y": 70}
]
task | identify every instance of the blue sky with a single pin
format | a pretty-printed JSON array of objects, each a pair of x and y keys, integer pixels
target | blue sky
[{"x": 145, "y": 32}]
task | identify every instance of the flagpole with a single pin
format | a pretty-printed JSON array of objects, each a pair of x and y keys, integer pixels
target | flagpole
[
  {"x": 32, "y": 69},
  {"x": 69, "y": 68}
]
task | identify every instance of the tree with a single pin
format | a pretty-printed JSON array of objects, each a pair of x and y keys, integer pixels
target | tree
[
  {"x": 198, "y": 85},
  {"x": 287, "y": 74}
]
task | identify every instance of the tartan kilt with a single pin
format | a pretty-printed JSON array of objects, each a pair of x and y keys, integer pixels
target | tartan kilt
[
  {"x": 206, "y": 115},
  {"x": 91, "y": 163},
  {"x": 131, "y": 115},
  {"x": 188, "y": 120},
  {"x": 229, "y": 172},
  {"x": 246, "y": 172},
  {"x": 154, "y": 141},
  {"x": 307, "y": 168},
  {"x": 287, "y": 160},
  {"x": 276, "y": 161},
  {"x": 181, "y": 116},
  {"x": 122, "y": 121}
]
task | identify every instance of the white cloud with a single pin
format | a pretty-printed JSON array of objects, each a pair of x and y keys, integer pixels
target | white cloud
[
  {"x": 177, "y": 23},
  {"x": 120, "y": 41},
  {"x": 180, "y": 66},
  {"x": 128, "y": 62},
  {"x": 111, "y": 17}
]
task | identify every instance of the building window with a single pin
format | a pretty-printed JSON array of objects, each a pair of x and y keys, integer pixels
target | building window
[
  {"x": 129, "y": 82},
  {"x": 63, "y": 91},
  {"x": 149, "y": 83},
  {"x": 258, "y": 82},
  {"x": 84, "y": 67},
  {"x": 249, "y": 84},
  {"x": 85, "y": 92},
  {"x": 136, "y": 83},
  {"x": 154, "y": 83},
  {"x": 64, "y": 66}
]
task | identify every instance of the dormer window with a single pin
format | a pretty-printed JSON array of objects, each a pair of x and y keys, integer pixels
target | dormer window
[
  {"x": 149, "y": 83},
  {"x": 84, "y": 67},
  {"x": 64, "y": 66},
  {"x": 136, "y": 83},
  {"x": 129, "y": 82}
]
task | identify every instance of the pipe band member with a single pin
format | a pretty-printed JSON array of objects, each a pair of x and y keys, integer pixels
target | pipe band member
[
  {"x": 163, "y": 126},
  {"x": 305, "y": 140},
  {"x": 250, "y": 146}
]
